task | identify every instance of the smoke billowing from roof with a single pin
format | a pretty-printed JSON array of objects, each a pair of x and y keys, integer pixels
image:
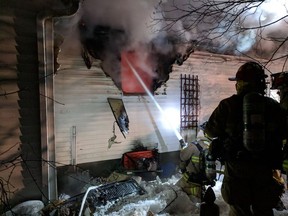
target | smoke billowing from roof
[
  {"x": 108, "y": 28},
  {"x": 166, "y": 32},
  {"x": 130, "y": 15}
]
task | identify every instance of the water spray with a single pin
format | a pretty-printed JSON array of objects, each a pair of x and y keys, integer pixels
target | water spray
[{"x": 179, "y": 137}]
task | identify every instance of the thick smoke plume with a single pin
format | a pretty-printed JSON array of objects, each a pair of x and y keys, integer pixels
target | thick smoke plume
[
  {"x": 167, "y": 32},
  {"x": 105, "y": 29},
  {"x": 231, "y": 27}
]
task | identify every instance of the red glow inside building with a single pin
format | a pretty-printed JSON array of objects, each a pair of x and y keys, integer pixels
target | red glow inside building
[{"x": 129, "y": 82}]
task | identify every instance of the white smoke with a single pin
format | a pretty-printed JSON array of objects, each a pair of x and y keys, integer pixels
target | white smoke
[
  {"x": 169, "y": 27},
  {"x": 105, "y": 29},
  {"x": 133, "y": 16},
  {"x": 230, "y": 26},
  {"x": 144, "y": 21},
  {"x": 271, "y": 16}
]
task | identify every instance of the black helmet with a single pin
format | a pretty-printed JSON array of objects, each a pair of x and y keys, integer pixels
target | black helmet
[{"x": 250, "y": 72}]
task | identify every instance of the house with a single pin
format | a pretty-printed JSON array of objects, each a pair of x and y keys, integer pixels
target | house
[{"x": 54, "y": 119}]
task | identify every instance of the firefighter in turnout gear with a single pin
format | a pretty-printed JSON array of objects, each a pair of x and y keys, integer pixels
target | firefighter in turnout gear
[
  {"x": 280, "y": 82},
  {"x": 250, "y": 128},
  {"x": 191, "y": 165}
]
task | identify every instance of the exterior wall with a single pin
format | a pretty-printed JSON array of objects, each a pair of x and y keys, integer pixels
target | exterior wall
[
  {"x": 21, "y": 170},
  {"x": 213, "y": 71},
  {"x": 20, "y": 144},
  {"x": 81, "y": 96},
  {"x": 81, "y": 101}
]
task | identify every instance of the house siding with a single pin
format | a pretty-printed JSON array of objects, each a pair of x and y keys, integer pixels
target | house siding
[{"x": 82, "y": 93}]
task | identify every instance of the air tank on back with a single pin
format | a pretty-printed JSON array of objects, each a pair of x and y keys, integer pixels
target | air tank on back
[{"x": 254, "y": 122}]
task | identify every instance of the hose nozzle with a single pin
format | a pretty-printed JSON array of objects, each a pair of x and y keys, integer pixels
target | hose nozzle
[{"x": 182, "y": 143}]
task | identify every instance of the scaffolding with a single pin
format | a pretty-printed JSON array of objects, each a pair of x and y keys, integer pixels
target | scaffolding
[{"x": 189, "y": 103}]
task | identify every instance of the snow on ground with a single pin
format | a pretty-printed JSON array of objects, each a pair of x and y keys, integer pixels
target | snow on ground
[{"x": 164, "y": 198}]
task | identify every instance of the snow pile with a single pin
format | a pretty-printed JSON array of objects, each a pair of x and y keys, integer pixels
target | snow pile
[
  {"x": 31, "y": 207},
  {"x": 164, "y": 198}
]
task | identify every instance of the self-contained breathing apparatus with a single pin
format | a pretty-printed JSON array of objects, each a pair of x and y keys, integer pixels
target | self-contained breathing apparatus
[
  {"x": 254, "y": 122},
  {"x": 207, "y": 166},
  {"x": 258, "y": 140},
  {"x": 203, "y": 180},
  {"x": 205, "y": 177},
  {"x": 250, "y": 140},
  {"x": 254, "y": 140}
]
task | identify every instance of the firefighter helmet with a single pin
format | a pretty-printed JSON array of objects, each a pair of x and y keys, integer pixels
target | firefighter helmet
[{"x": 250, "y": 72}]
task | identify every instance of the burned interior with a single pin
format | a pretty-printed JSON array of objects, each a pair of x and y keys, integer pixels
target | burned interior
[{"x": 108, "y": 44}]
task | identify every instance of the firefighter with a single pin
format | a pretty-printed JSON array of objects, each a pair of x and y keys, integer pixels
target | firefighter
[
  {"x": 284, "y": 104},
  {"x": 191, "y": 168},
  {"x": 280, "y": 82},
  {"x": 248, "y": 176}
]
